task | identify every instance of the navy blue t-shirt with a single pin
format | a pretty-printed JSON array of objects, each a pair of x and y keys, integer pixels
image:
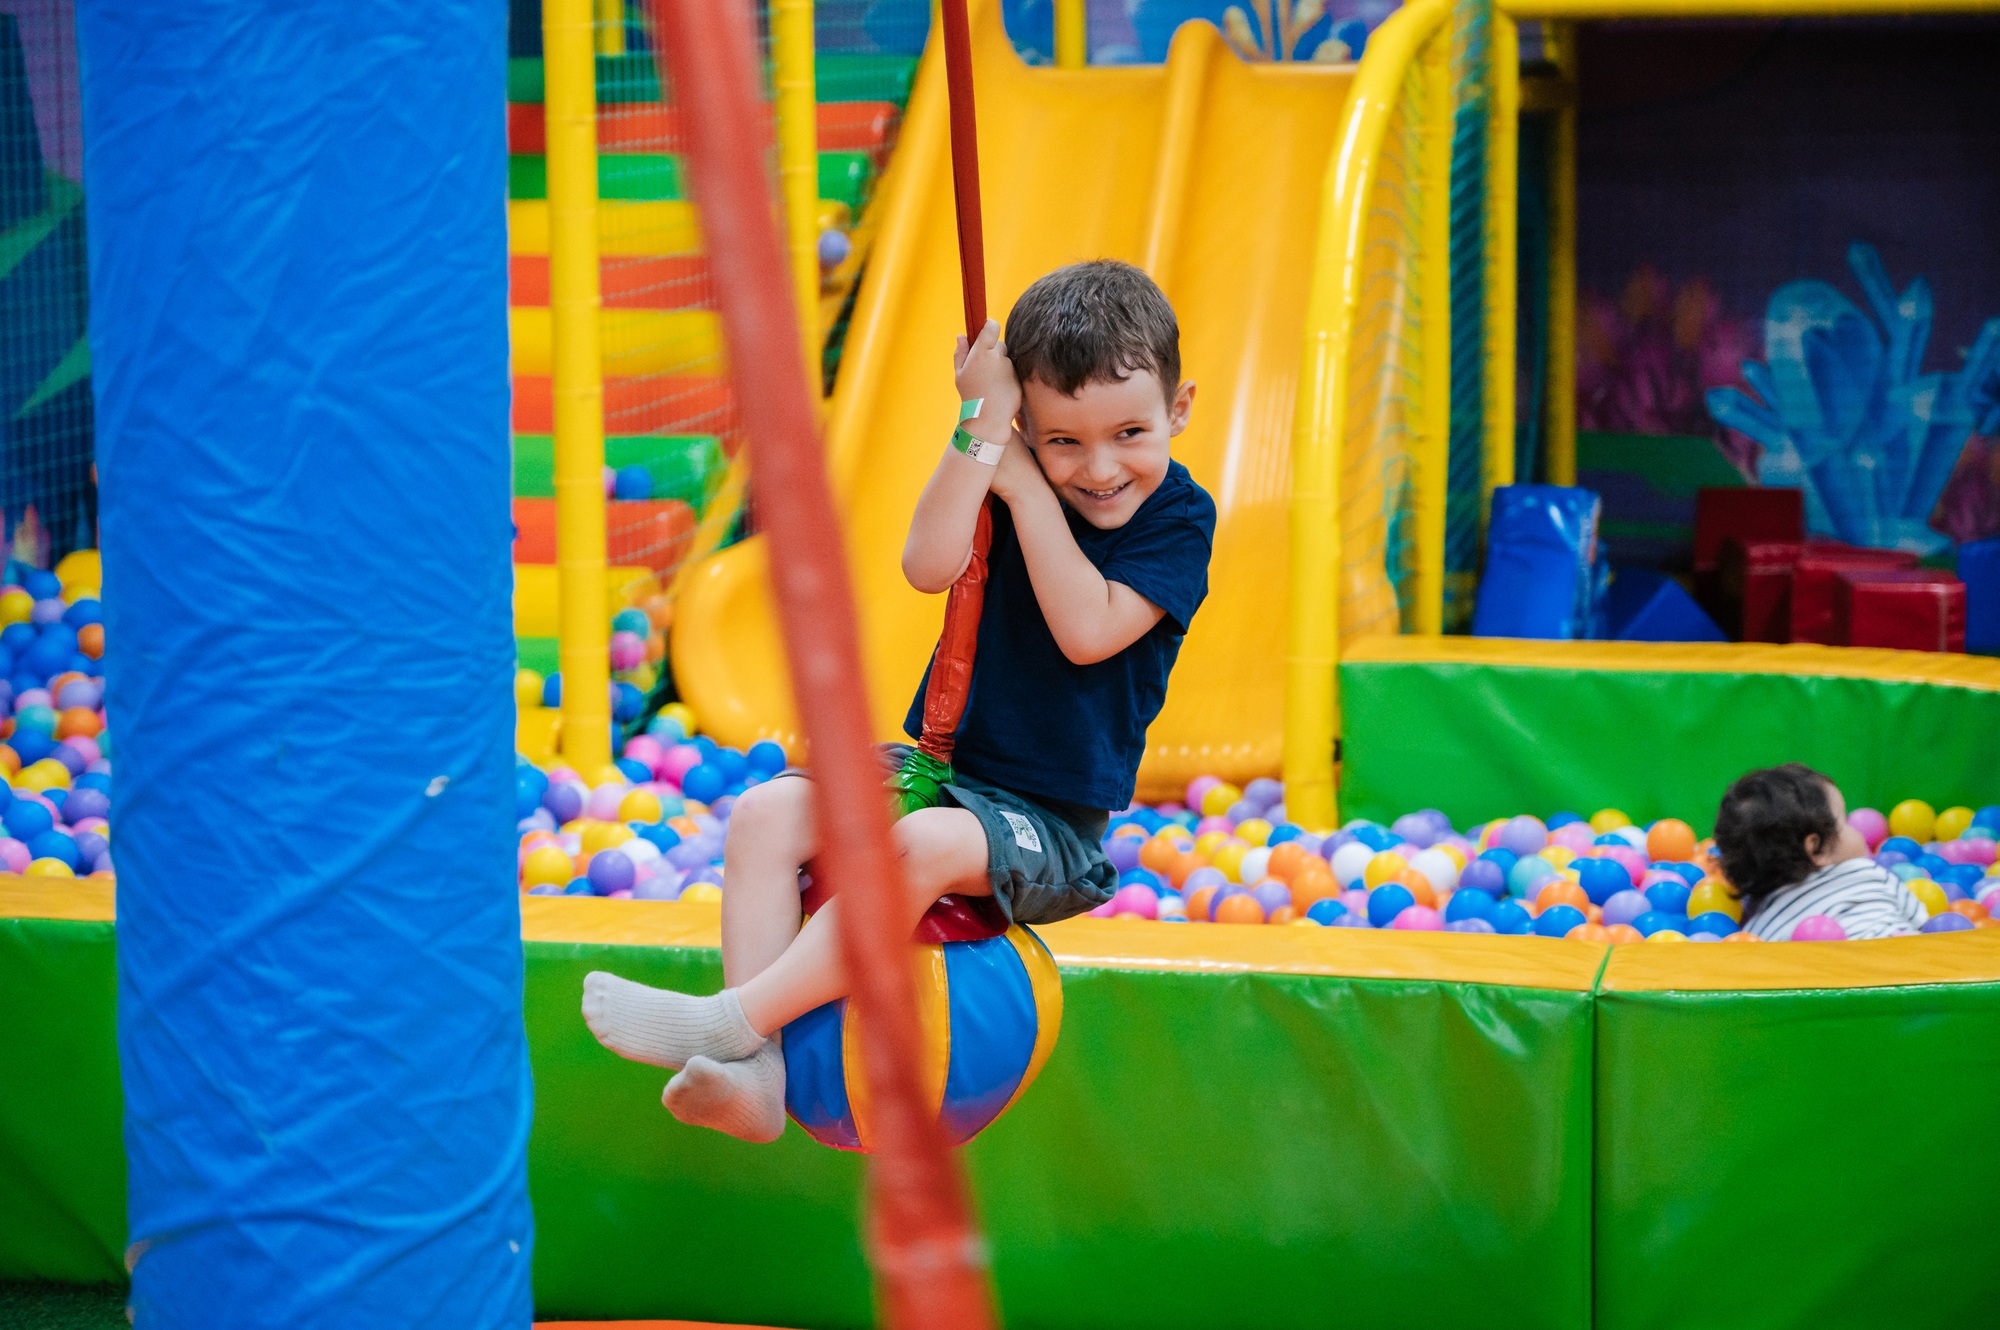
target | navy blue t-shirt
[{"x": 1036, "y": 723}]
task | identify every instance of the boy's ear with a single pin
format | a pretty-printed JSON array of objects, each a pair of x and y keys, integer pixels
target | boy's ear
[{"x": 1177, "y": 411}]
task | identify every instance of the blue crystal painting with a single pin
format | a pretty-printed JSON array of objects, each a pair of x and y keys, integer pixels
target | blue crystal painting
[{"x": 1845, "y": 412}]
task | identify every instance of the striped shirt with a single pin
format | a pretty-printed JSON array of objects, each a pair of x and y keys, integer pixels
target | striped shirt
[{"x": 1867, "y": 899}]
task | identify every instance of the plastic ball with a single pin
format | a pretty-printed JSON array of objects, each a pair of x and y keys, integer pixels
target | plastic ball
[
  {"x": 627, "y": 651},
  {"x": 1512, "y": 918},
  {"x": 1562, "y": 893},
  {"x": 1558, "y": 920},
  {"x": 1199, "y": 903},
  {"x": 1135, "y": 900},
  {"x": 639, "y": 806},
  {"x": 1950, "y": 824},
  {"x": 1484, "y": 875},
  {"x": 26, "y": 819},
  {"x": 1240, "y": 908},
  {"x": 1386, "y": 902},
  {"x": 1948, "y": 922},
  {"x": 1438, "y": 868},
  {"x": 1714, "y": 921},
  {"x": 1713, "y": 896},
  {"x": 1529, "y": 874},
  {"x": 1602, "y": 879},
  {"x": 49, "y": 868},
  {"x": 546, "y": 865},
  {"x": 1669, "y": 897},
  {"x": 1253, "y": 866},
  {"x": 766, "y": 758},
  {"x": 1912, "y": 818},
  {"x": 85, "y": 803},
  {"x": 1654, "y": 921},
  {"x": 1822, "y": 927},
  {"x": 1608, "y": 819},
  {"x": 704, "y": 783},
  {"x": 1930, "y": 893},
  {"x": 1325, "y": 910},
  {"x": 1383, "y": 867},
  {"x": 1273, "y": 895},
  {"x": 1418, "y": 919},
  {"x": 1219, "y": 798},
  {"x": 1350, "y": 863},
  {"x": 1469, "y": 904},
  {"x": 1523, "y": 835},
  {"x": 1619, "y": 935}
]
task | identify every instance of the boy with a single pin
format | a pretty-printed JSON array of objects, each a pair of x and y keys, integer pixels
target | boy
[{"x": 1099, "y": 560}]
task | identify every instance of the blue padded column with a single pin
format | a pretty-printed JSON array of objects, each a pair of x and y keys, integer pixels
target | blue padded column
[{"x": 299, "y": 343}]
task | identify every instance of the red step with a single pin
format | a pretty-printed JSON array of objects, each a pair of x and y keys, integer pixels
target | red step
[
  {"x": 625, "y": 281},
  {"x": 639, "y": 533},
  {"x": 662, "y": 404},
  {"x": 654, "y": 127}
]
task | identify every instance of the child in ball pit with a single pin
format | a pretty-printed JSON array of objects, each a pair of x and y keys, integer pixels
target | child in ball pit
[
  {"x": 1785, "y": 845},
  {"x": 1098, "y": 562}
]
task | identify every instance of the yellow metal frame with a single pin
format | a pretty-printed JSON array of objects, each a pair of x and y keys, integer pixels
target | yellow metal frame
[
  {"x": 1559, "y": 383},
  {"x": 1072, "y": 34},
  {"x": 1430, "y": 479},
  {"x": 1503, "y": 172},
  {"x": 1319, "y": 424},
  {"x": 577, "y": 382},
  {"x": 610, "y": 34},
  {"x": 798, "y": 162}
]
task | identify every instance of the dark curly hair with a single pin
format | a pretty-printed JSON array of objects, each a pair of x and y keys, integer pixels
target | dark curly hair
[
  {"x": 1763, "y": 825},
  {"x": 1095, "y": 321}
]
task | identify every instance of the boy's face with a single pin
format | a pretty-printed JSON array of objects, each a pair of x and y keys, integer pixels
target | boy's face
[
  {"x": 1847, "y": 843},
  {"x": 1104, "y": 450}
]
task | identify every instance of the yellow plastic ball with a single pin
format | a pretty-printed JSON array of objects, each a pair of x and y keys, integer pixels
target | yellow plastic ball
[
  {"x": 1228, "y": 859},
  {"x": 1457, "y": 855},
  {"x": 1558, "y": 857},
  {"x": 1930, "y": 893},
  {"x": 1912, "y": 818},
  {"x": 1608, "y": 819},
  {"x": 639, "y": 806},
  {"x": 80, "y": 572},
  {"x": 608, "y": 774},
  {"x": 604, "y": 835},
  {"x": 16, "y": 607},
  {"x": 1254, "y": 831},
  {"x": 527, "y": 688},
  {"x": 1952, "y": 823},
  {"x": 47, "y": 774},
  {"x": 1219, "y": 799},
  {"x": 546, "y": 867},
  {"x": 1382, "y": 868},
  {"x": 683, "y": 713},
  {"x": 50, "y": 868},
  {"x": 1668, "y": 935},
  {"x": 1177, "y": 836},
  {"x": 702, "y": 892},
  {"x": 1211, "y": 842},
  {"x": 1712, "y": 897},
  {"x": 576, "y": 826}
]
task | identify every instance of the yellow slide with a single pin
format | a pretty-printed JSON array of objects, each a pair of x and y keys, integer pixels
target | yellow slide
[{"x": 1207, "y": 172}]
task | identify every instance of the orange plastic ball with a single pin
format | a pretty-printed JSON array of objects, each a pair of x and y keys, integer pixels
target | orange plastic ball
[
  {"x": 1284, "y": 914},
  {"x": 1310, "y": 887},
  {"x": 90, "y": 640},
  {"x": 1562, "y": 893},
  {"x": 1178, "y": 872},
  {"x": 1197, "y": 905},
  {"x": 1670, "y": 838},
  {"x": 78, "y": 720},
  {"x": 1619, "y": 934},
  {"x": 64, "y": 680},
  {"x": 1286, "y": 861},
  {"x": 1418, "y": 886},
  {"x": 1972, "y": 910},
  {"x": 1158, "y": 854},
  {"x": 1590, "y": 933},
  {"x": 1240, "y": 909},
  {"x": 1742, "y": 935},
  {"x": 1594, "y": 913}
]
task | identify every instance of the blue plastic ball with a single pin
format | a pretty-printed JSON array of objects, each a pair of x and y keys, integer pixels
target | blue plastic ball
[
  {"x": 1325, "y": 910},
  {"x": 552, "y": 690},
  {"x": 1963, "y": 874},
  {"x": 1714, "y": 921},
  {"x": 1900, "y": 845},
  {"x": 1989, "y": 816},
  {"x": 40, "y": 583},
  {"x": 626, "y": 701},
  {"x": 17, "y": 637},
  {"x": 1652, "y": 921},
  {"x": 1932, "y": 864},
  {"x": 766, "y": 758},
  {"x": 1602, "y": 879},
  {"x": 578, "y": 886},
  {"x": 1512, "y": 917},
  {"x": 25, "y": 819},
  {"x": 632, "y": 482},
  {"x": 636, "y": 772},
  {"x": 1562, "y": 819},
  {"x": 1386, "y": 902},
  {"x": 706, "y": 746},
  {"x": 85, "y": 611},
  {"x": 1502, "y": 856},
  {"x": 55, "y": 845},
  {"x": 704, "y": 783},
  {"x": 1283, "y": 832},
  {"x": 529, "y": 786},
  {"x": 733, "y": 765},
  {"x": 1557, "y": 920},
  {"x": 1668, "y": 897},
  {"x": 1689, "y": 873},
  {"x": 664, "y": 837},
  {"x": 1469, "y": 904},
  {"x": 32, "y": 746},
  {"x": 1374, "y": 837}
]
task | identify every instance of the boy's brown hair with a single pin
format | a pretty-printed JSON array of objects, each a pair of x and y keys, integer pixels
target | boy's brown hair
[{"x": 1094, "y": 322}]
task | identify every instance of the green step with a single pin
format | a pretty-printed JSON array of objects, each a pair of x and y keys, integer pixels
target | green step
[
  {"x": 657, "y": 175},
  {"x": 539, "y": 654},
  {"x": 631, "y": 78},
  {"x": 683, "y": 466}
]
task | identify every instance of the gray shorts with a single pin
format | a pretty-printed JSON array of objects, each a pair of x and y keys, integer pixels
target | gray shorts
[{"x": 1045, "y": 861}]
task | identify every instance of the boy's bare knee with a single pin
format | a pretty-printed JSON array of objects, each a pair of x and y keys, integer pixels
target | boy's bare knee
[
  {"x": 776, "y": 812},
  {"x": 943, "y": 849}
]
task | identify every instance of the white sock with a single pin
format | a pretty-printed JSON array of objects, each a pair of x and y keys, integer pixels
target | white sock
[
  {"x": 664, "y": 1028},
  {"x": 744, "y": 1098}
]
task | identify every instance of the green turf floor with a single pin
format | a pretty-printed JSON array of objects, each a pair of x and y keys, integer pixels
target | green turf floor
[{"x": 40, "y": 1306}]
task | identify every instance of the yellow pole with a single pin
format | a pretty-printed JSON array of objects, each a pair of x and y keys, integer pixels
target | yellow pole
[
  {"x": 610, "y": 27},
  {"x": 1503, "y": 168},
  {"x": 570, "y": 107},
  {"x": 1072, "y": 34},
  {"x": 1319, "y": 419},
  {"x": 1561, "y": 382},
  {"x": 798, "y": 163},
  {"x": 1433, "y": 452}
]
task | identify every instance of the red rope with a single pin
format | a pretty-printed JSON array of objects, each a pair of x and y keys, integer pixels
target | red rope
[
  {"x": 926, "y": 1253},
  {"x": 951, "y": 668}
]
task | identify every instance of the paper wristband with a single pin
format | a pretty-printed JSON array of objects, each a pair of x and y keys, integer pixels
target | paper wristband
[{"x": 979, "y": 450}]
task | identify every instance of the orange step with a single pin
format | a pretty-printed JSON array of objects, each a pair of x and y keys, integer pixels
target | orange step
[
  {"x": 639, "y": 533},
  {"x": 655, "y": 127},
  {"x": 625, "y": 281},
  {"x": 663, "y": 404},
  {"x": 642, "y": 1325}
]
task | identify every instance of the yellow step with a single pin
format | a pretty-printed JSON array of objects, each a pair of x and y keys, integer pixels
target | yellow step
[
  {"x": 537, "y": 605},
  {"x": 656, "y": 228},
  {"x": 631, "y": 341}
]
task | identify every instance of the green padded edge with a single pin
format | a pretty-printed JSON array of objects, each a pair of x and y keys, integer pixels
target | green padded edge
[
  {"x": 683, "y": 466},
  {"x": 1484, "y": 741},
  {"x": 648, "y": 176},
  {"x": 1857, "y": 1153},
  {"x": 62, "y": 1147},
  {"x": 631, "y": 78}
]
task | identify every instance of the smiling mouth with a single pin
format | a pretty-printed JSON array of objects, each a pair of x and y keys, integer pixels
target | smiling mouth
[{"x": 1102, "y": 496}]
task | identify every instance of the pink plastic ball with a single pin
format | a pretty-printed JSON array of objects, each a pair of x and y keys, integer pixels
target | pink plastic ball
[
  {"x": 96, "y": 824},
  {"x": 1576, "y": 837},
  {"x": 559, "y": 773},
  {"x": 679, "y": 760},
  {"x": 15, "y": 855},
  {"x": 610, "y": 482},
  {"x": 645, "y": 750},
  {"x": 1209, "y": 825},
  {"x": 1633, "y": 860},
  {"x": 628, "y": 651},
  {"x": 603, "y": 802},
  {"x": 33, "y": 697},
  {"x": 1356, "y": 901},
  {"x": 1874, "y": 827},
  {"x": 1200, "y": 786},
  {"x": 1135, "y": 899},
  {"x": 1418, "y": 919},
  {"x": 1980, "y": 851},
  {"x": 85, "y": 747},
  {"x": 1104, "y": 911},
  {"x": 1818, "y": 928}
]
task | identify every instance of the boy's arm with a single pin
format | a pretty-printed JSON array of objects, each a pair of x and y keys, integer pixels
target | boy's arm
[
  {"x": 1091, "y": 619},
  {"x": 940, "y": 541}
]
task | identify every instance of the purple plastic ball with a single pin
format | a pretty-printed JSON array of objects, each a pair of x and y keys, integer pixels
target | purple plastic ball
[
  {"x": 1416, "y": 828},
  {"x": 72, "y": 761},
  {"x": 1351, "y": 920},
  {"x": 659, "y": 887},
  {"x": 1483, "y": 875},
  {"x": 1625, "y": 906},
  {"x": 1204, "y": 877},
  {"x": 84, "y": 803},
  {"x": 1272, "y": 895},
  {"x": 90, "y": 846},
  {"x": 1524, "y": 835},
  {"x": 690, "y": 854},
  {"x": 1474, "y": 925},
  {"x": 610, "y": 871},
  {"x": 710, "y": 875},
  {"x": 1123, "y": 852},
  {"x": 1948, "y": 922},
  {"x": 564, "y": 802}
]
